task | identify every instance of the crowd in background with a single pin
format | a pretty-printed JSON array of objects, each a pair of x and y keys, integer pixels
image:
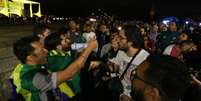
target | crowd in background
[{"x": 84, "y": 56}]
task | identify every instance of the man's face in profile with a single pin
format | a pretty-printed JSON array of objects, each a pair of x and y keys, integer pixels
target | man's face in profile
[{"x": 142, "y": 89}]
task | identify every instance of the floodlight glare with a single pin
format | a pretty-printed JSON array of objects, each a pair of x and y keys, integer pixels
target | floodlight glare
[
  {"x": 187, "y": 22},
  {"x": 92, "y": 19},
  {"x": 119, "y": 28},
  {"x": 165, "y": 22},
  {"x": 200, "y": 24}
]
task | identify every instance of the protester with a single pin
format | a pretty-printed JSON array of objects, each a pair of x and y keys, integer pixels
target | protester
[
  {"x": 160, "y": 78},
  {"x": 131, "y": 45},
  {"x": 30, "y": 77}
]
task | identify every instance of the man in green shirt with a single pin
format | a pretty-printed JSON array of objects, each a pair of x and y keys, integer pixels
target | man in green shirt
[
  {"x": 60, "y": 56},
  {"x": 31, "y": 80}
]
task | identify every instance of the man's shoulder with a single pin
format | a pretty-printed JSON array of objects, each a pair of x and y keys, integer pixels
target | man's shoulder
[
  {"x": 18, "y": 67},
  {"x": 141, "y": 56},
  {"x": 121, "y": 53},
  {"x": 108, "y": 45},
  {"x": 44, "y": 81},
  {"x": 143, "y": 51}
]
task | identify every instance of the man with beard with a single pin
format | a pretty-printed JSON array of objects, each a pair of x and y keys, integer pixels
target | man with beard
[
  {"x": 59, "y": 57},
  {"x": 160, "y": 78},
  {"x": 131, "y": 45},
  {"x": 30, "y": 77}
]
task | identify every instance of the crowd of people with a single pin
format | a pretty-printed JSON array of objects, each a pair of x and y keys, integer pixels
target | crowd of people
[{"x": 105, "y": 61}]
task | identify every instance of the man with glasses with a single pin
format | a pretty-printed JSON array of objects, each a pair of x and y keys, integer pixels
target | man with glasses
[
  {"x": 160, "y": 78},
  {"x": 131, "y": 45}
]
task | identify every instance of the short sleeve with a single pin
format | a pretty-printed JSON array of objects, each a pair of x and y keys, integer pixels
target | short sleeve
[{"x": 45, "y": 82}]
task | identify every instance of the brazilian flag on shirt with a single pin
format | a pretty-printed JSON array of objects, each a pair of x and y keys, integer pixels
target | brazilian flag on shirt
[{"x": 58, "y": 61}]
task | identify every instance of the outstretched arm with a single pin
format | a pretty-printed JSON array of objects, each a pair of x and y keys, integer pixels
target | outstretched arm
[{"x": 73, "y": 68}]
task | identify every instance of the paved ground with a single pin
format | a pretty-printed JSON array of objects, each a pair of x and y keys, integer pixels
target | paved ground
[{"x": 9, "y": 34}]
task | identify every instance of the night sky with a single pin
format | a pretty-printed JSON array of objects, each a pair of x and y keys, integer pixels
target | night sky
[{"x": 121, "y": 7}]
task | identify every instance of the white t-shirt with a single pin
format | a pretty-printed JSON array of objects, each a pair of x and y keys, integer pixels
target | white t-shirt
[
  {"x": 89, "y": 35},
  {"x": 122, "y": 60}
]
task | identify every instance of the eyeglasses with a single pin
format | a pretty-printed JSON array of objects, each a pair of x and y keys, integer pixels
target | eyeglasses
[{"x": 135, "y": 76}]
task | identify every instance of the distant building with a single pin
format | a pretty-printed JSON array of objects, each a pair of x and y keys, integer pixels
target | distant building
[{"x": 9, "y": 7}]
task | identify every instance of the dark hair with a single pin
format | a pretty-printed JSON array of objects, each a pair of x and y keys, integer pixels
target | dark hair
[
  {"x": 39, "y": 29},
  {"x": 23, "y": 48},
  {"x": 72, "y": 21},
  {"x": 185, "y": 32},
  {"x": 192, "y": 60},
  {"x": 188, "y": 42},
  {"x": 133, "y": 35},
  {"x": 88, "y": 25},
  {"x": 185, "y": 43},
  {"x": 52, "y": 41},
  {"x": 63, "y": 30},
  {"x": 170, "y": 74},
  {"x": 102, "y": 25}
]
